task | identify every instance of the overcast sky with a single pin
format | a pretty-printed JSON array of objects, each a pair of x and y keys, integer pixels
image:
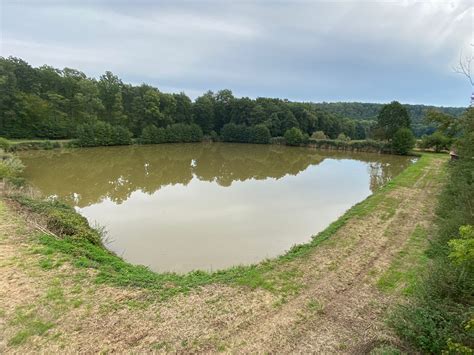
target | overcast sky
[{"x": 371, "y": 51}]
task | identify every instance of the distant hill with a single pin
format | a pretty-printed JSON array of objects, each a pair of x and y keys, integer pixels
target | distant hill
[{"x": 369, "y": 111}]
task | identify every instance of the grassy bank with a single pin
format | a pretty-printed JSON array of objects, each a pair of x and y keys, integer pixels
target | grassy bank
[
  {"x": 32, "y": 144},
  {"x": 439, "y": 315}
]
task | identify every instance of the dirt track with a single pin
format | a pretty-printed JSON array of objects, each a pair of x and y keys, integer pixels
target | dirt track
[{"x": 339, "y": 309}]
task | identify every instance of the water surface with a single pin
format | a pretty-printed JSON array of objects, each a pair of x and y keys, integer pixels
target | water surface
[{"x": 181, "y": 207}]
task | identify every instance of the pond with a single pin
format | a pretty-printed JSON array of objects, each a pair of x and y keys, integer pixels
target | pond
[{"x": 208, "y": 206}]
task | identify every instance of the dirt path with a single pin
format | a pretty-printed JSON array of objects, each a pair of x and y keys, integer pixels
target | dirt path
[{"x": 339, "y": 309}]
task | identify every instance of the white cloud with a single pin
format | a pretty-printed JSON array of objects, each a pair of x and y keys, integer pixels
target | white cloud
[{"x": 317, "y": 50}]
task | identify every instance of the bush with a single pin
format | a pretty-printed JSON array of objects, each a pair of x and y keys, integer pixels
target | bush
[
  {"x": 4, "y": 144},
  {"x": 436, "y": 141},
  {"x": 11, "y": 166},
  {"x": 235, "y": 133},
  {"x": 343, "y": 137},
  {"x": 403, "y": 141},
  {"x": 102, "y": 133},
  {"x": 319, "y": 135},
  {"x": 152, "y": 135},
  {"x": 294, "y": 136},
  {"x": 462, "y": 247},
  {"x": 183, "y": 133},
  {"x": 62, "y": 219},
  {"x": 367, "y": 145},
  {"x": 177, "y": 133},
  {"x": 278, "y": 140},
  {"x": 121, "y": 136},
  {"x": 259, "y": 134}
]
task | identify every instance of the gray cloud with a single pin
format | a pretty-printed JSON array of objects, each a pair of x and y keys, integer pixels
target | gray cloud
[{"x": 303, "y": 50}]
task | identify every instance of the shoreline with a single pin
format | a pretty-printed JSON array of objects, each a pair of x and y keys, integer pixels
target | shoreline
[{"x": 79, "y": 283}]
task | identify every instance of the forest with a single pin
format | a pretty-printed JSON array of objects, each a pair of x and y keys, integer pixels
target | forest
[
  {"x": 50, "y": 103},
  {"x": 369, "y": 111}
]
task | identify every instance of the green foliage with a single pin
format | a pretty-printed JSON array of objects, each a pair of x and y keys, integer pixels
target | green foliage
[
  {"x": 462, "y": 247},
  {"x": 343, "y": 137},
  {"x": 259, "y": 134},
  {"x": 403, "y": 141},
  {"x": 436, "y": 141},
  {"x": 62, "y": 219},
  {"x": 367, "y": 145},
  {"x": 10, "y": 166},
  {"x": 368, "y": 112},
  {"x": 183, "y": 133},
  {"x": 121, "y": 136},
  {"x": 234, "y": 133},
  {"x": 203, "y": 112},
  {"x": 102, "y": 133},
  {"x": 49, "y": 103},
  {"x": 445, "y": 124},
  {"x": 439, "y": 315},
  {"x": 4, "y": 144},
  {"x": 34, "y": 145},
  {"x": 294, "y": 136},
  {"x": 177, "y": 133},
  {"x": 152, "y": 135},
  {"x": 391, "y": 119},
  {"x": 319, "y": 135}
]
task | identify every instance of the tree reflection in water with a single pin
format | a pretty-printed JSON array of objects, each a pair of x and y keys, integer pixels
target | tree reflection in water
[{"x": 87, "y": 176}]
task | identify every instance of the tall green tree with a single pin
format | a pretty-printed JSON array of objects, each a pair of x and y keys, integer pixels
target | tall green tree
[
  {"x": 203, "y": 111},
  {"x": 110, "y": 91},
  {"x": 391, "y": 118},
  {"x": 184, "y": 109},
  {"x": 224, "y": 100}
]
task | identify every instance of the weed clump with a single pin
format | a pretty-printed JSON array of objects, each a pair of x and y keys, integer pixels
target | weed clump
[{"x": 62, "y": 219}]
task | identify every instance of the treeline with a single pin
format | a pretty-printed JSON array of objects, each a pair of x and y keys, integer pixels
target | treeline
[
  {"x": 46, "y": 102},
  {"x": 370, "y": 111}
]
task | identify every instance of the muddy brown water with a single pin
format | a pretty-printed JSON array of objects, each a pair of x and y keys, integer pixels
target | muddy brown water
[{"x": 208, "y": 206}]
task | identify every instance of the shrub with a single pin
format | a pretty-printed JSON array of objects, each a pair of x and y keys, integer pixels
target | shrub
[
  {"x": 183, "y": 133},
  {"x": 294, "y": 136},
  {"x": 4, "y": 144},
  {"x": 152, "y": 135},
  {"x": 11, "y": 166},
  {"x": 259, "y": 134},
  {"x": 62, "y": 219},
  {"x": 436, "y": 141},
  {"x": 213, "y": 136},
  {"x": 319, "y": 135},
  {"x": 343, "y": 137},
  {"x": 403, "y": 141},
  {"x": 176, "y": 133},
  {"x": 462, "y": 248},
  {"x": 102, "y": 133},
  {"x": 86, "y": 136},
  {"x": 121, "y": 136},
  {"x": 235, "y": 133},
  {"x": 277, "y": 140}
]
